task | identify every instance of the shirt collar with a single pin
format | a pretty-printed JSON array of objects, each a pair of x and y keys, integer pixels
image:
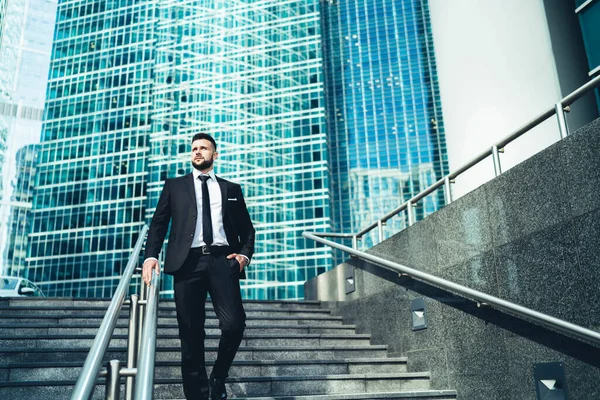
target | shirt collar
[{"x": 197, "y": 173}]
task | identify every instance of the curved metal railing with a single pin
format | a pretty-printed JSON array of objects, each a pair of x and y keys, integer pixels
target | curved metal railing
[
  {"x": 480, "y": 297},
  {"x": 568, "y": 328},
  {"x": 558, "y": 109},
  {"x": 86, "y": 382}
]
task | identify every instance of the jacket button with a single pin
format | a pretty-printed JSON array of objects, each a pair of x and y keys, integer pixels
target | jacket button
[{"x": 191, "y": 234}]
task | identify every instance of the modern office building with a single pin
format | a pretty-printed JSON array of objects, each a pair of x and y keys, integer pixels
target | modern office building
[
  {"x": 10, "y": 33},
  {"x": 26, "y": 28},
  {"x": 20, "y": 212},
  {"x": 500, "y": 64},
  {"x": 384, "y": 117},
  {"x": 88, "y": 207},
  {"x": 250, "y": 73},
  {"x": 130, "y": 83},
  {"x": 589, "y": 19}
]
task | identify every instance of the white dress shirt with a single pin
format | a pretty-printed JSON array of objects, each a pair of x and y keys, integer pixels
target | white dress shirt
[{"x": 216, "y": 210}]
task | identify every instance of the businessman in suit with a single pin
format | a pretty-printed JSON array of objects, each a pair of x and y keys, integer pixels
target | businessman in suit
[{"x": 210, "y": 243}]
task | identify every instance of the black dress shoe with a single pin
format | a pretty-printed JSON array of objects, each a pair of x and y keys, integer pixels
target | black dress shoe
[{"x": 217, "y": 389}]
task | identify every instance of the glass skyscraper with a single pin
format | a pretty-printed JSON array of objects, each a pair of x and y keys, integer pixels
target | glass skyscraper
[
  {"x": 589, "y": 19},
  {"x": 19, "y": 220},
  {"x": 88, "y": 207},
  {"x": 384, "y": 116},
  {"x": 130, "y": 83},
  {"x": 26, "y": 28},
  {"x": 11, "y": 27},
  {"x": 249, "y": 73}
]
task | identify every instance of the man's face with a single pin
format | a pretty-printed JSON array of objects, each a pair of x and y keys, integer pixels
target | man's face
[{"x": 203, "y": 154}]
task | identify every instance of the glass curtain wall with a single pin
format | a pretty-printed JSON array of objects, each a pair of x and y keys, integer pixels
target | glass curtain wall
[
  {"x": 589, "y": 19},
  {"x": 250, "y": 74},
  {"x": 384, "y": 116},
  {"x": 26, "y": 28},
  {"x": 130, "y": 84},
  {"x": 90, "y": 182}
]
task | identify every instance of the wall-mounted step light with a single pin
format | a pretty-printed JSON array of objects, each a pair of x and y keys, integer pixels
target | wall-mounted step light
[
  {"x": 350, "y": 282},
  {"x": 418, "y": 314},
  {"x": 550, "y": 381}
]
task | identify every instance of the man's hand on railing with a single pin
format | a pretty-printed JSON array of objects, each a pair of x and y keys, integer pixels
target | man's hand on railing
[{"x": 149, "y": 265}]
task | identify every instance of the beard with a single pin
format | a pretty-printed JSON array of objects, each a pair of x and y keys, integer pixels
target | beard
[{"x": 204, "y": 164}]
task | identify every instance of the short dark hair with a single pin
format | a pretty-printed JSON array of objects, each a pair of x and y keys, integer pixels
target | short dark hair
[{"x": 205, "y": 136}]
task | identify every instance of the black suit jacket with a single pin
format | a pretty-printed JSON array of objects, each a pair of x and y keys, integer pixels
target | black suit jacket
[{"x": 177, "y": 204}]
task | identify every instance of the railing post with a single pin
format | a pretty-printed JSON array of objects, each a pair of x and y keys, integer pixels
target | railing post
[
  {"x": 411, "y": 213},
  {"x": 144, "y": 385},
  {"x": 496, "y": 158},
  {"x": 562, "y": 121},
  {"x": 447, "y": 190},
  {"x": 380, "y": 230},
  {"x": 132, "y": 344},
  {"x": 141, "y": 308},
  {"x": 112, "y": 380},
  {"x": 355, "y": 242}
]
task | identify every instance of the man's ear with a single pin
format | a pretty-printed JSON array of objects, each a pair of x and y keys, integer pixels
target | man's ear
[{"x": 215, "y": 155}]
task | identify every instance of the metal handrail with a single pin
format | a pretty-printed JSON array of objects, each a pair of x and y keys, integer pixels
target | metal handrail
[
  {"x": 558, "y": 109},
  {"x": 144, "y": 383},
  {"x": 91, "y": 369},
  {"x": 480, "y": 297}
]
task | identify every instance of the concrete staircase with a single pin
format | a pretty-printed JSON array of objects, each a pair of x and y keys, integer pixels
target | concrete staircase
[{"x": 291, "y": 350}]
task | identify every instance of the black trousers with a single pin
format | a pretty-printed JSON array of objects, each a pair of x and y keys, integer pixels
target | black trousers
[{"x": 218, "y": 276}]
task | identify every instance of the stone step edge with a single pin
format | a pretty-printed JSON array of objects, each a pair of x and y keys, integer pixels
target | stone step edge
[
  {"x": 178, "y": 349},
  {"x": 442, "y": 394},
  {"x": 254, "y": 379},
  {"x": 90, "y": 299},
  {"x": 354, "y": 361},
  {"x": 167, "y": 309},
  {"x": 124, "y": 324},
  {"x": 355, "y": 336},
  {"x": 99, "y": 316}
]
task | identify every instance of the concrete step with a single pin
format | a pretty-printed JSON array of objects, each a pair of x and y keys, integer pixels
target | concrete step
[
  {"x": 60, "y": 341},
  {"x": 49, "y": 327},
  {"x": 95, "y": 319},
  {"x": 308, "y": 385},
  {"x": 251, "y": 386},
  {"x": 21, "y": 355},
  {"x": 291, "y": 351},
  {"x": 71, "y": 302},
  {"x": 162, "y": 312},
  {"x": 407, "y": 395},
  {"x": 48, "y": 371}
]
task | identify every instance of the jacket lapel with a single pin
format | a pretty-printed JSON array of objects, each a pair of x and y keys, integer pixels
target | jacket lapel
[
  {"x": 190, "y": 188},
  {"x": 223, "y": 186}
]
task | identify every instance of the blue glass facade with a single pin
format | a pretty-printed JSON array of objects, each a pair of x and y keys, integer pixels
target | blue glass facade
[
  {"x": 384, "y": 116},
  {"x": 11, "y": 28},
  {"x": 589, "y": 19},
  {"x": 250, "y": 74},
  {"x": 90, "y": 189},
  {"x": 26, "y": 28},
  {"x": 311, "y": 106},
  {"x": 130, "y": 83},
  {"x": 19, "y": 221}
]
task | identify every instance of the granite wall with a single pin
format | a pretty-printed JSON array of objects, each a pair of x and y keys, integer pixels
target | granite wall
[{"x": 530, "y": 236}]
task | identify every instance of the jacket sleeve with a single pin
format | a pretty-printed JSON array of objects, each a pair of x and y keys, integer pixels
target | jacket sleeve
[
  {"x": 160, "y": 223},
  {"x": 246, "y": 229}
]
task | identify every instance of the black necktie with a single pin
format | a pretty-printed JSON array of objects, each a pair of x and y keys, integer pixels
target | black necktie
[{"x": 207, "y": 233}]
